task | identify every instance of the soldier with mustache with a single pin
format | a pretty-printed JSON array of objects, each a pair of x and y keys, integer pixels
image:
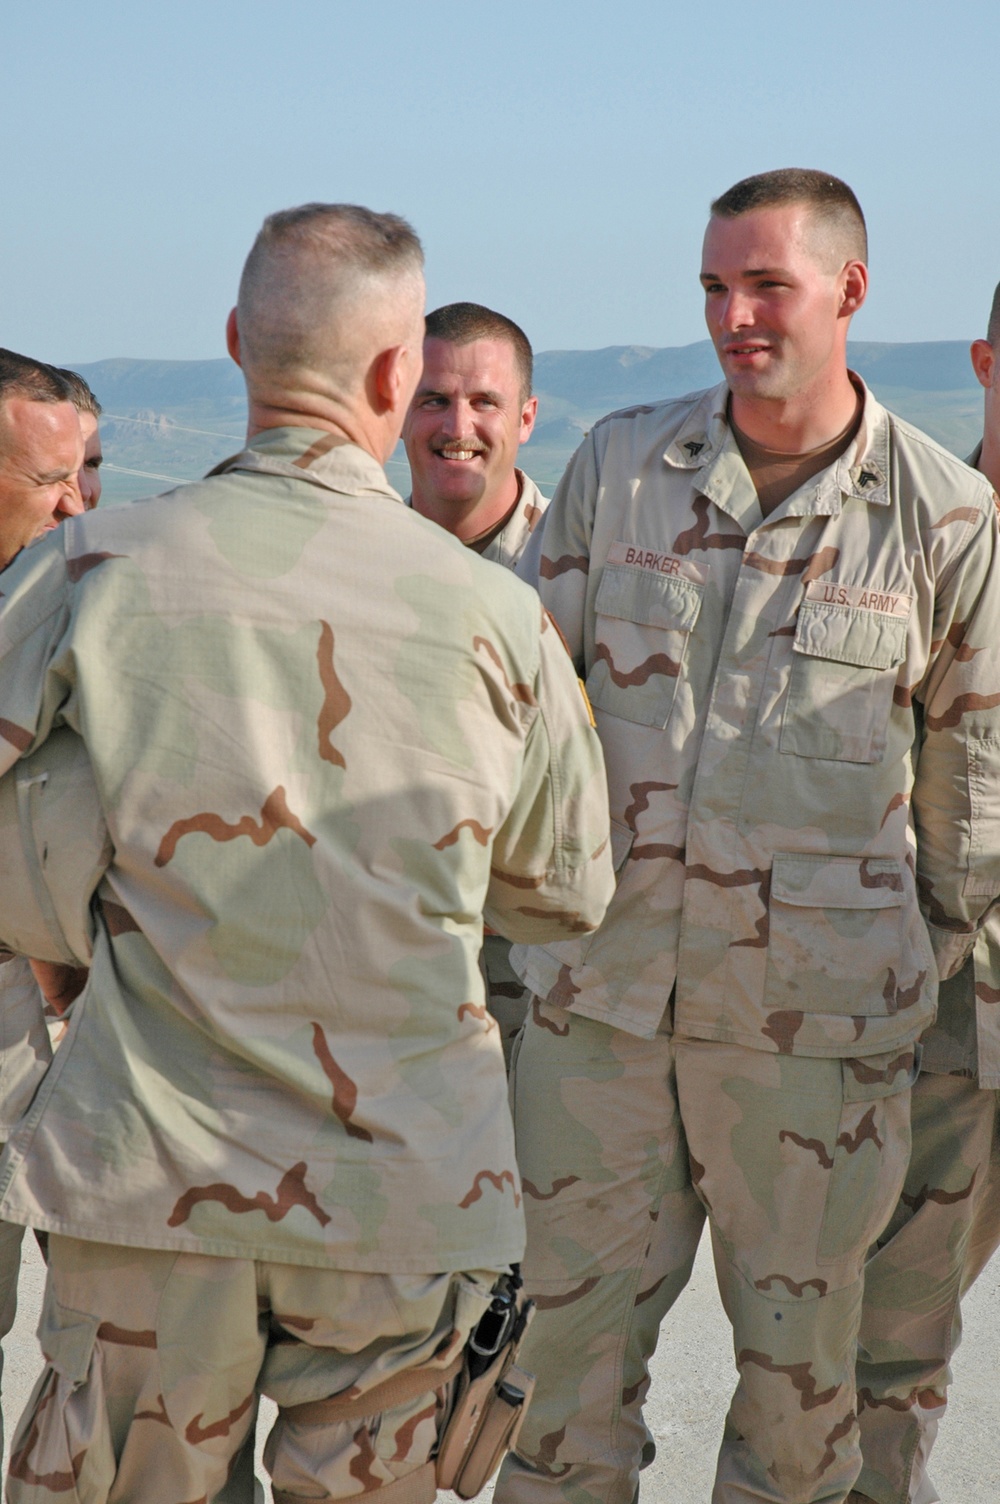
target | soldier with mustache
[{"x": 470, "y": 414}]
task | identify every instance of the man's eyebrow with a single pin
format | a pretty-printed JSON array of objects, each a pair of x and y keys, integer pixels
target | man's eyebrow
[
  {"x": 49, "y": 477},
  {"x": 749, "y": 271}
]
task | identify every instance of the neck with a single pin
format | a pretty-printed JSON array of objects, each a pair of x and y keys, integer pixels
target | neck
[
  {"x": 365, "y": 430},
  {"x": 469, "y": 520},
  {"x": 988, "y": 463},
  {"x": 800, "y": 423}
]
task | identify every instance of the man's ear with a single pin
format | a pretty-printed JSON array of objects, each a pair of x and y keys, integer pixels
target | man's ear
[
  {"x": 855, "y": 288},
  {"x": 984, "y": 362},
  {"x": 529, "y": 413},
  {"x": 391, "y": 372},
  {"x": 233, "y": 337}
]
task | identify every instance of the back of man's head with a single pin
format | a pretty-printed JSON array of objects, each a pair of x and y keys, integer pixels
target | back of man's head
[
  {"x": 324, "y": 289},
  {"x": 81, "y": 395},
  {"x": 31, "y": 380},
  {"x": 833, "y": 207},
  {"x": 463, "y": 323}
]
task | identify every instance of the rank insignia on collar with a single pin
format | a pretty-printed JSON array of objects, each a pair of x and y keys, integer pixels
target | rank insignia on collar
[
  {"x": 693, "y": 447},
  {"x": 868, "y": 478}
]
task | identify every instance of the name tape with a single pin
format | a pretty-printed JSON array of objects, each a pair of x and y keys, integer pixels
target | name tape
[
  {"x": 657, "y": 563},
  {"x": 861, "y": 597}
]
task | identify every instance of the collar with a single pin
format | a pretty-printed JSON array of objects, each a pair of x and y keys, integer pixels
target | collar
[
  {"x": 976, "y": 456},
  {"x": 706, "y": 443},
  {"x": 321, "y": 458}
]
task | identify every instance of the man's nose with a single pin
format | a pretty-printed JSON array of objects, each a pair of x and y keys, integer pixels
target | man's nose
[
  {"x": 71, "y": 502},
  {"x": 737, "y": 311},
  {"x": 456, "y": 420}
]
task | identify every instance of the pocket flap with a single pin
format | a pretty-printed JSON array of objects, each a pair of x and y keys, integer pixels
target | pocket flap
[
  {"x": 837, "y": 882},
  {"x": 846, "y": 634},
  {"x": 67, "y": 1338},
  {"x": 652, "y": 600}
]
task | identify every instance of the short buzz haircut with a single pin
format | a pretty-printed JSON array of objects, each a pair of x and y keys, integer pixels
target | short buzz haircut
[
  {"x": 993, "y": 327},
  {"x": 461, "y": 323},
  {"x": 32, "y": 380},
  {"x": 375, "y": 243},
  {"x": 307, "y": 269},
  {"x": 833, "y": 204},
  {"x": 81, "y": 395}
]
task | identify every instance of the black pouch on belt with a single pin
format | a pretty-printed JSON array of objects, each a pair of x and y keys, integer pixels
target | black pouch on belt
[{"x": 491, "y": 1393}]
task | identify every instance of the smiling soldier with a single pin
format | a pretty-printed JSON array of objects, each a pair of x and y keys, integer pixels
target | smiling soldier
[
  {"x": 471, "y": 413},
  {"x": 786, "y": 604}
]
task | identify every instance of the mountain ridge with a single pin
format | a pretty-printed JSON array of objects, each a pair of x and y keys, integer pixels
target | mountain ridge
[{"x": 171, "y": 420}]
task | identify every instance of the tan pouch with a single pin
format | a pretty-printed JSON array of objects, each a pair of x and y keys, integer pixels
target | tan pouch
[
  {"x": 487, "y": 1411},
  {"x": 482, "y": 1428}
]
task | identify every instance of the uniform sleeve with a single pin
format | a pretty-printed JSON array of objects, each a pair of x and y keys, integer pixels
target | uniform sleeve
[
  {"x": 34, "y": 611},
  {"x": 557, "y": 559},
  {"x": 956, "y": 791},
  {"x": 551, "y": 876}
]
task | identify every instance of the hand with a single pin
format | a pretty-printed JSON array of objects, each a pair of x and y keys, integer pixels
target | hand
[{"x": 59, "y": 983}]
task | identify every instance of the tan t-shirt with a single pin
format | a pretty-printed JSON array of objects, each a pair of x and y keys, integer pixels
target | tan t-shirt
[{"x": 776, "y": 475}]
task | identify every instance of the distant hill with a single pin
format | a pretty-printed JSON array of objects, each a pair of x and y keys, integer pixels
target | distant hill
[{"x": 171, "y": 420}]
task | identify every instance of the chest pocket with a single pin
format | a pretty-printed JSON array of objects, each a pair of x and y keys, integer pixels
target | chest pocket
[
  {"x": 644, "y": 621},
  {"x": 843, "y": 673}
]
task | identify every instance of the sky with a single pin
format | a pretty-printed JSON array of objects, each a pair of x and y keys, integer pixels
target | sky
[{"x": 556, "y": 157}]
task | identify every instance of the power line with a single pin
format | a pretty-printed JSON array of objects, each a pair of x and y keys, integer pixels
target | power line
[
  {"x": 176, "y": 480},
  {"x": 211, "y": 433}
]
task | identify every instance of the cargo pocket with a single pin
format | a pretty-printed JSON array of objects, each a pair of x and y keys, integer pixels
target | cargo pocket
[
  {"x": 64, "y": 1436},
  {"x": 844, "y": 670},
  {"x": 644, "y": 621},
  {"x": 871, "y": 1153},
  {"x": 836, "y": 933}
]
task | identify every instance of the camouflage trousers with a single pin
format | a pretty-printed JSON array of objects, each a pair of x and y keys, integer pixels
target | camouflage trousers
[
  {"x": 11, "y": 1237},
  {"x": 506, "y": 995},
  {"x": 624, "y": 1146},
  {"x": 153, "y": 1359},
  {"x": 941, "y": 1237}
]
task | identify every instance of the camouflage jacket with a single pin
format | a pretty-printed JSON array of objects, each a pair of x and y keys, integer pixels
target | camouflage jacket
[
  {"x": 25, "y": 1051},
  {"x": 965, "y": 1038},
  {"x": 801, "y": 722},
  {"x": 327, "y": 740},
  {"x": 509, "y": 544}
]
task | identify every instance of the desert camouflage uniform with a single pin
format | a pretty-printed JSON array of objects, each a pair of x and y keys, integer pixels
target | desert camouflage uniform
[
  {"x": 315, "y": 788},
  {"x": 942, "y": 1234},
  {"x": 785, "y": 705},
  {"x": 506, "y": 995},
  {"x": 24, "y": 1059}
]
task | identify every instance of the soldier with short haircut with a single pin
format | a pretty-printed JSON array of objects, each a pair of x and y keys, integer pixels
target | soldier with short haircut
[
  {"x": 275, "y": 1149},
  {"x": 40, "y": 448},
  {"x": 946, "y": 1226},
  {"x": 786, "y": 604},
  {"x": 470, "y": 414},
  {"x": 89, "y": 411}
]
